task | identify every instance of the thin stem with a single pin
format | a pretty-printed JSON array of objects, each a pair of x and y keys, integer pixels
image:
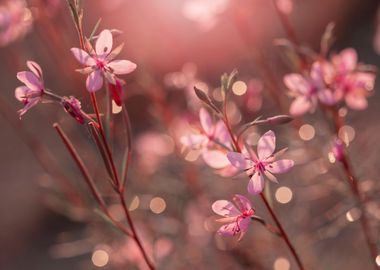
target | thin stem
[
  {"x": 128, "y": 153},
  {"x": 135, "y": 235},
  {"x": 353, "y": 183},
  {"x": 282, "y": 231},
  {"x": 103, "y": 137},
  {"x": 87, "y": 177},
  {"x": 269, "y": 227}
]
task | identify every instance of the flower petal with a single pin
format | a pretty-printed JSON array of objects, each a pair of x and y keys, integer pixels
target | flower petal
[
  {"x": 327, "y": 97},
  {"x": 229, "y": 229},
  {"x": 346, "y": 60},
  {"x": 30, "y": 80},
  {"x": 256, "y": 184},
  {"x": 206, "y": 121},
  {"x": 356, "y": 102},
  {"x": 104, "y": 43},
  {"x": 243, "y": 225},
  {"x": 215, "y": 159},
  {"x": 242, "y": 203},
  {"x": 94, "y": 81},
  {"x": 297, "y": 83},
  {"x": 83, "y": 57},
  {"x": 266, "y": 145},
  {"x": 221, "y": 133},
  {"x": 21, "y": 92},
  {"x": 300, "y": 106},
  {"x": 239, "y": 161},
  {"x": 35, "y": 68},
  {"x": 122, "y": 66},
  {"x": 280, "y": 166},
  {"x": 225, "y": 208},
  {"x": 193, "y": 141}
]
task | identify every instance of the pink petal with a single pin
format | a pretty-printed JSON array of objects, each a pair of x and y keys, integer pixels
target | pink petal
[
  {"x": 326, "y": 96},
  {"x": 296, "y": 82},
  {"x": 193, "y": 141},
  {"x": 239, "y": 161},
  {"x": 104, "y": 42},
  {"x": 348, "y": 59},
  {"x": 35, "y": 68},
  {"x": 221, "y": 133},
  {"x": 225, "y": 208},
  {"x": 30, "y": 80},
  {"x": 215, "y": 159},
  {"x": 20, "y": 93},
  {"x": 242, "y": 203},
  {"x": 256, "y": 184},
  {"x": 228, "y": 229},
  {"x": 266, "y": 145},
  {"x": 122, "y": 66},
  {"x": 206, "y": 121},
  {"x": 32, "y": 102},
  {"x": 243, "y": 225},
  {"x": 280, "y": 166},
  {"x": 94, "y": 81},
  {"x": 356, "y": 102},
  {"x": 364, "y": 80},
  {"x": 83, "y": 57},
  {"x": 300, "y": 106}
]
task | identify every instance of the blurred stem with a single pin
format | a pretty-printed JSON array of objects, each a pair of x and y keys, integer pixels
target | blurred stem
[
  {"x": 42, "y": 154},
  {"x": 291, "y": 34},
  {"x": 128, "y": 150},
  {"x": 353, "y": 183}
]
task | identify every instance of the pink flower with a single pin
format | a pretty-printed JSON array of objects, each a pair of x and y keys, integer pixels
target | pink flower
[
  {"x": 308, "y": 90},
  {"x": 351, "y": 84},
  {"x": 237, "y": 217},
  {"x": 100, "y": 62},
  {"x": 32, "y": 92},
  {"x": 213, "y": 141},
  {"x": 264, "y": 163}
]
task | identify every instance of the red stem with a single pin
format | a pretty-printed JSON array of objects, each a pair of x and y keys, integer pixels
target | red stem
[
  {"x": 353, "y": 183},
  {"x": 134, "y": 233},
  {"x": 87, "y": 177},
  {"x": 282, "y": 231}
]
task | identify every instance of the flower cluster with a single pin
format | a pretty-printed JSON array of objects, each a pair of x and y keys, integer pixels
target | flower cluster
[
  {"x": 222, "y": 150},
  {"x": 329, "y": 82}
]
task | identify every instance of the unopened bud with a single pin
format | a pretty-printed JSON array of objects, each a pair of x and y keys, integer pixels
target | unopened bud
[{"x": 279, "y": 119}]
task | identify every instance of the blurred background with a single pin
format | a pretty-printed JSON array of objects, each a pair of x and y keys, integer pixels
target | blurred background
[{"x": 47, "y": 218}]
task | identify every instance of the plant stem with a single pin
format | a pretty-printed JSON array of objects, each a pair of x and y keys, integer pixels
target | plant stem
[
  {"x": 282, "y": 231},
  {"x": 134, "y": 233},
  {"x": 353, "y": 183},
  {"x": 87, "y": 177}
]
